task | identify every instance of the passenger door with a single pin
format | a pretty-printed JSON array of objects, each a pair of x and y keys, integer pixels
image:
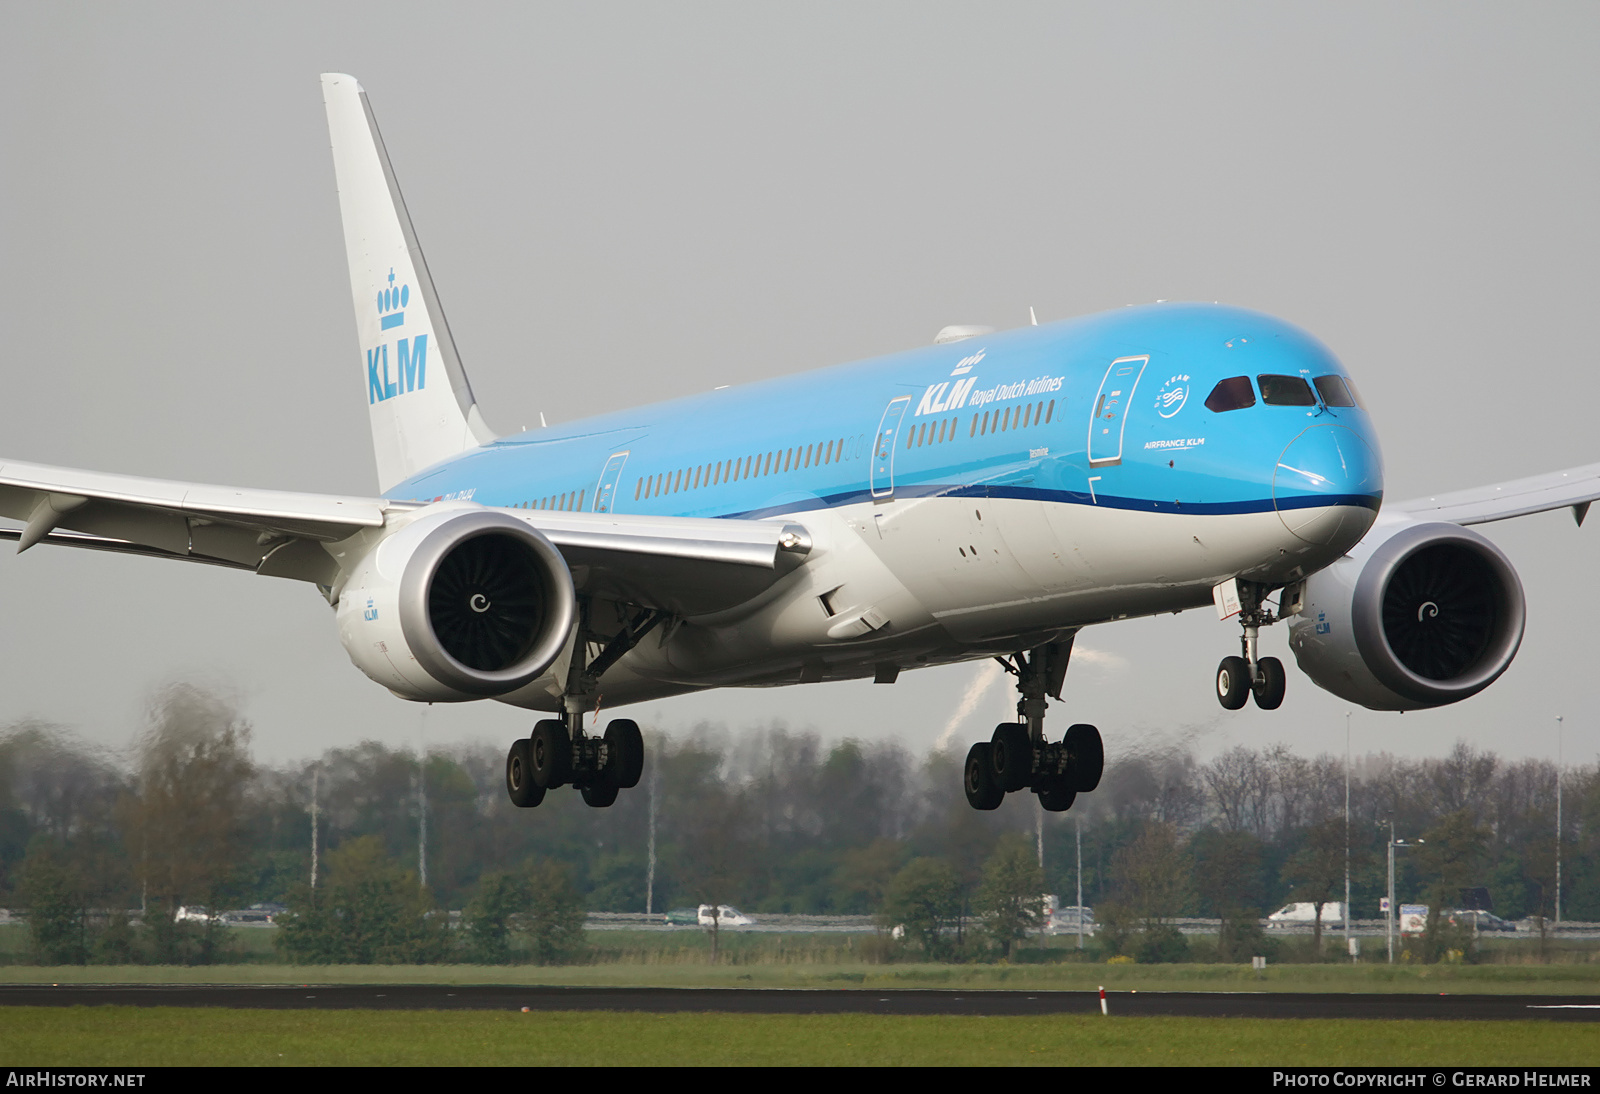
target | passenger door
[{"x": 1109, "y": 417}]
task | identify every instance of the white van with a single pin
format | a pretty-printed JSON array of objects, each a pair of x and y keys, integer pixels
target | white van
[
  {"x": 1304, "y": 914},
  {"x": 727, "y": 916}
]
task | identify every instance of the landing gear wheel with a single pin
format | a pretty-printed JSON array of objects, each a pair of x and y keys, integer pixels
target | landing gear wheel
[
  {"x": 1087, "y": 756},
  {"x": 550, "y": 753},
  {"x": 1057, "y": 795},
  {"x": 1270, "y": 688},
  {"x": 625, "y": 746},
  {"x": 519, "y": 776},
  {"x": 978, "y": 779},
  {"x": 1233, "y": 683},
  {"x": 1011, "y": 756},
  {"x": 602, "y": 791}
]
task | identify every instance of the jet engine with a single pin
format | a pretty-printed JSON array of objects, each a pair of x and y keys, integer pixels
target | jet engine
[
  {"x": 467, "y": 603},
  {"x": 1417, "y": 615}
]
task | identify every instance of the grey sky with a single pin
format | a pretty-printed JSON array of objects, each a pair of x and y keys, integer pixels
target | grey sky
[{"x": 625, "y": 202}]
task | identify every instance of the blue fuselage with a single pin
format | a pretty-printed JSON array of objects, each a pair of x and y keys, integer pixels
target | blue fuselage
[{"x": 1106, "y": 411}]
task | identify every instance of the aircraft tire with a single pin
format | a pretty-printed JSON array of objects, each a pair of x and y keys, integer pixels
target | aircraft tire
[
  {"x": 520, "y": 786},
  {"x": 1088, "y": 757},
  {"x": 1011, "y": 756},
  {"x": 602, "y": 791},
  {"x": 550, "y": 750},
  {"x": 1233, "y": 683},
  {"x": 1273, "y": 683},
  {"x": 978, "y": 779},
  {"x": 1057, "y": 795},
  {"x": 626, "y": 744}
]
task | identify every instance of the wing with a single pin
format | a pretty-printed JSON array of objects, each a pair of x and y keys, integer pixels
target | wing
[
  {"x": 685, "y": 565},
  {"x": 1575, "y": 487}
]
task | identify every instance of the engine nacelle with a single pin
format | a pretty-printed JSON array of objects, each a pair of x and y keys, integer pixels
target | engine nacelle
[
  {"x": 466, "y": 603},
  {"x": 1416, "y": 615}
]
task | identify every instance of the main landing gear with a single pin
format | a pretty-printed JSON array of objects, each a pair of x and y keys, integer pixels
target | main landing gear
[
  {"x": 1018, "y": 757},
  {"x": 1249, "y": 676},
  {"x": 558, "y": 752},
  {"x": 554, "y": 755}
]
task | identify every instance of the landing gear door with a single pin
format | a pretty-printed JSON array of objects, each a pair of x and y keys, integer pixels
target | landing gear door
[
  {"x": 1110, "y": 410},
  {"x": 605, "y": 490},
  {"x": 883, "y": 448}
]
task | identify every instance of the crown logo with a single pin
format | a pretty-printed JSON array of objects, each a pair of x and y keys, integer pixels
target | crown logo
[{"x": 391, "y": 304}]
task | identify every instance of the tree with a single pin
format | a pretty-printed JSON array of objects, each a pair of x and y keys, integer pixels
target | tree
[
  {"x": 188, "y": 817},
  {"x": 370, "y": 913},
  {"x": 489, "y": 919},
  {"x": 1317, "y": 872},
  {"x": 552, "y": 926},
  {"x": 56, "y": 899},
  {"x": 1011, "y": 895},
  {"x": 1451, "y": 852},
  {"x": 924, "y": 898},
  {"x": 1228, "y": 877},
  {"x": 1151, "y": 879},
  {"x": 716, "y": 854}
]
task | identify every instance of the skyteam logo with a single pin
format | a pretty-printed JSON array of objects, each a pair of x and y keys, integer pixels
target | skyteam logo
[
  {"x": 410, "y": 354},
  {"x": 1173, "y": 394}
]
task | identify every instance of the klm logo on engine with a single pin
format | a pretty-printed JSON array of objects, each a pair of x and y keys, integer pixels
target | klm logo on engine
[{"x": 410, "y": 354}]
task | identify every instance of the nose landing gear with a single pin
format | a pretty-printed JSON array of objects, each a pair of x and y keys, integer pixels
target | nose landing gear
[
  {"x": 1250, "y": 676},
  {"x": 1019, "y": 757}
]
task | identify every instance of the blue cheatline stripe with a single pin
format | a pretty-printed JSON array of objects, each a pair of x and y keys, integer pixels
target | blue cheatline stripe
[{"x": 1067, "y": 497}]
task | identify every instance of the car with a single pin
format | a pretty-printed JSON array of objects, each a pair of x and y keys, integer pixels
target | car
[
  {"x": 726, "y": 917},
  {"x": 1069, "y": 919},
  {"x": 687, "y": 917},
  {"x": 1478, "y": 919}
]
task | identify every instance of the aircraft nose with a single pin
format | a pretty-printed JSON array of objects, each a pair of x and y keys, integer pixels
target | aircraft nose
[{"x": 1325, "y": 485}]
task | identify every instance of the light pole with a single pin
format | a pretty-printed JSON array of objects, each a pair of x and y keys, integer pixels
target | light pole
[
  {"x": 1393, "y": 908},
  {"x": 1559, "y": 761},
  {"x": 1347, "y": 833},
  {"x": 1078, "y": 824}
]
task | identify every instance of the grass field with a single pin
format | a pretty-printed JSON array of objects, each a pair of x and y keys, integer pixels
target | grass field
[{"x": 129, "y": 1037}]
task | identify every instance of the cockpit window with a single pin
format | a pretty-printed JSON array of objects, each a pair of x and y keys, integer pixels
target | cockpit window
[
  {"x": 1285, "y": 391},
  {"x": 1333, "y": 391},
  {"x": 1234, "y": 393}
]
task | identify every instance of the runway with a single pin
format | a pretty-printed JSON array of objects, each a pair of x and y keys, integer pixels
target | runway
[{"x": 812, "y": 1001}]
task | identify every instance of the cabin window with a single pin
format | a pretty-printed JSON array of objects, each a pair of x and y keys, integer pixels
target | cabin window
[
  {"x": 581, "y": 493},
  {"x": 1234, "y": 393},
  {"x": 973, "y": 432},
  {"x": 1285, "y": 391},
  {"x": 1333, "y": 391},
  {"x": 1049, "y": 412}
]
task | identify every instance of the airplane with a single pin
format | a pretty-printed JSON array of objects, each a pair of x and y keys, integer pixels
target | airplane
[{"x": 986, "y": 496}]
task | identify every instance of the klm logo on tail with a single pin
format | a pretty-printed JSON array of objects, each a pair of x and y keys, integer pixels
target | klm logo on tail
[{"x": 411, "y": 354}]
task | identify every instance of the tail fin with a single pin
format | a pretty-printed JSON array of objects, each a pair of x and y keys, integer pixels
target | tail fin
[{"x": 422, "y": 406}]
